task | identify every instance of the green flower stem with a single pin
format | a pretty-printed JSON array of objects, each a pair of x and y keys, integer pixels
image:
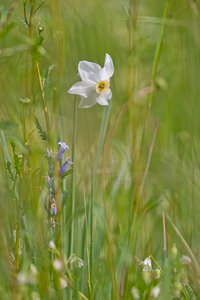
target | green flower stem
[
  {"x": 103, "y": 128},
  {"x": 63, "y": 192},
  {"x": 73, "y": 181},
  {"x": 18, "y": 226},
  {"x": 73, "y": 185},
  {"x": 46, "y": 114},
  {"x": 29, "y": 24}
]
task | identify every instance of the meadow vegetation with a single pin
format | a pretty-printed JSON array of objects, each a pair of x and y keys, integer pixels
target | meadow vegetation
[{"x": 100, "y": 202}]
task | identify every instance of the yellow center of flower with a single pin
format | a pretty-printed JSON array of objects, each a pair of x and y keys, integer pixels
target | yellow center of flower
[{"x": 102, "y": 86}]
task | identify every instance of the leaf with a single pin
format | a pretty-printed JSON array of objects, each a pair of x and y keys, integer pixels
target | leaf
[
  {"x": 6, "y": 30},
  {"x": 150, "y": 205},
  {"x": 37, "y": 43},
  {"x": 42, "y": 132},
  {"x": 9, "y": 169},
  {"x": 17, "y": 158},
  {"x": 67, "y": 173},
  {"x": 19, "y": 18},
  {"x": 45, "y": 76},
  {"x": 25, "y": 100},
  {"x": 39, "y": 6}
]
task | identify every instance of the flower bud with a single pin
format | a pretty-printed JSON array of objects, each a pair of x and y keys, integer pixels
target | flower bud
[
  {"x": 58, "y": 265},
  {"x": 174, "y": 251},
  {"x": 155, "y": 291},
  {"x": 157, "y": 273},
  {"x": 40, "y": 29},
  {"x": 135, "y": 293},
  {"x": 146, "y": 276},
  {"x": 177, "y": 289}
]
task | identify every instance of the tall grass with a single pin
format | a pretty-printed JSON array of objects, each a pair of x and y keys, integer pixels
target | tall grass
[{"x": 131, "y": 190}]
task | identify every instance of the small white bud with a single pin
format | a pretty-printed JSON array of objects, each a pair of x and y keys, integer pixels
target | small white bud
[
  {"x": 22, "y": 278},
  {"x": 52, "y": 245},
  {"x": 157, "y": 273},
  {"x": 155, "y": 291},
  {"x": 58, "y": 265},
  {"x": 62, "y": 283},
  {"x": 174, "y": 251},
  {"x": 135, "y": 293}
]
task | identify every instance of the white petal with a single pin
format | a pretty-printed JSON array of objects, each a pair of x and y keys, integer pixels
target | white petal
[
  {"x": 103, "y": 98},
  {"x": 108, "y": 70},
  {"x": 89, "y": 71},
  {"x": 89, "y": 101},
  {"x": 82, "y": 88},
  {"x": 109, "y": 93}
]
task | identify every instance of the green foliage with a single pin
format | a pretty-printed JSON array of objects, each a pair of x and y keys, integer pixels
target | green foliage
[
  {"x": 36, "y": 47},
  {"x": 19, "y": 18},
  {"x": 7, "y": 125},
  {"x": 42, "y": 132},
  {"x": 45, "y": 77},
  {"x": 5, "y": 31},
  {"x": 17, "y": 159},
  {"x": 9, "y": 169},
  {"x": 132, "y": 190}
]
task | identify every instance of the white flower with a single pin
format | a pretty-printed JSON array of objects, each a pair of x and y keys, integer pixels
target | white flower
[
  {"x": 95, "y": 85},
  {"x": 147, "y": 266},
  {"x": 155, "y": 291}
]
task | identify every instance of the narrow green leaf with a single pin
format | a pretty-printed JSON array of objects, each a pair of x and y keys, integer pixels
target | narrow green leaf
[{"x": 42, "y": 132}]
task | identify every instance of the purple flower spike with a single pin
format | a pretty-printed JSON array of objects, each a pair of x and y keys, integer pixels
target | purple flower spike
[
  {"x": 63, "y": 147},
  {"x": 53, "y": 208},
  {"x": 64, "y": 167},
  {"x": 49, "y": 153}
]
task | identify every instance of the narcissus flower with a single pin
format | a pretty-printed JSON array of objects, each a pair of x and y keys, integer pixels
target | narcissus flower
[{"x": 94, "y": 86}]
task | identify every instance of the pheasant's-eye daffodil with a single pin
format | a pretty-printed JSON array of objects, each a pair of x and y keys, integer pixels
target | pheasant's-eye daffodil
[{"x": 94, "y": 86}]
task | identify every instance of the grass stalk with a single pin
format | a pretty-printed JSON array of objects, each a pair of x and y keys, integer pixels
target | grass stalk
[
  {"x": 46, "y": 114},
  {"x": 196, "y": 264},
  {"x": 90, "y": 283},
  {"x": 18, "y": 227},
  {"x": 102, "y": 134},
  {"x": 164, "y": 239},
  {"x": 73, "y": 185},
  {"x": 73, "y": 181},
  {"x": 154, "y": 70}
]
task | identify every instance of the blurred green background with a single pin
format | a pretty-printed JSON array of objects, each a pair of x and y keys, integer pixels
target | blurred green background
[{"x": 86, "y": 30}]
